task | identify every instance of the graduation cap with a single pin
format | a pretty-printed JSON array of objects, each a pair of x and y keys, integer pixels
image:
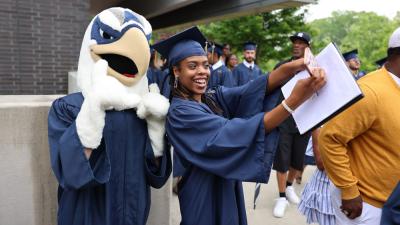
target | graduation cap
[
  {"x": 301, "y": 36},
  {"x": 214, "y": 47},
  {"x": 350, "y": 55},
  {"x": 249, "y": 45},
  {"x": 190, "y": 42},
  {"x": 381, "y": 62}
]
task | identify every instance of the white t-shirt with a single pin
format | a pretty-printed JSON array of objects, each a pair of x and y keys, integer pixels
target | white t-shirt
[
  {"x": 395, "y": 78},
  {"x": 309, "y": 150},
  {"x": 248, "y": 64}
]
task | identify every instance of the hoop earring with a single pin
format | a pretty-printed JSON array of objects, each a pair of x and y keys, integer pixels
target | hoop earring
[{"x": 176, "y": 82}]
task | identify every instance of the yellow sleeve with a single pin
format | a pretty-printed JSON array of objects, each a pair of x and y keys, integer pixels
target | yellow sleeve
[{"x": 335, "y": 136}]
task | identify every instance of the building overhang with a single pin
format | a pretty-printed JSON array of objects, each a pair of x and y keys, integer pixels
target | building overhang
[{"x": 164, "y": 14}]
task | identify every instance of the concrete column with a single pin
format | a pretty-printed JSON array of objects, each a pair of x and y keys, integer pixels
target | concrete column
[
  {"x": 28, "y": 190},
  {"x": 72, "y": 82}
]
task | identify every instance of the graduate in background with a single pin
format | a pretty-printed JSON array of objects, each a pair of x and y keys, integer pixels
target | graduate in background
[
  {"x": 354, "y": 63},
  {"x": 226, "y": 51},
  {"x": 156, "y": 75},
  {"x": 247, "y": 70},
  {"x": 220, "y": 137},
  {"x": 220, "y": 74},
  {"x": 231, "y": 62}
]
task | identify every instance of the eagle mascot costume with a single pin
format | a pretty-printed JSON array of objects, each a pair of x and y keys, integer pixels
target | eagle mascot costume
[{"x": 107, "y": 142}]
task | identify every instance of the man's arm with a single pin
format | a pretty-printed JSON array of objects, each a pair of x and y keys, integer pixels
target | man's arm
[
  {"x": 317, "y": 154},
  {"x": 284, "y": 72}
]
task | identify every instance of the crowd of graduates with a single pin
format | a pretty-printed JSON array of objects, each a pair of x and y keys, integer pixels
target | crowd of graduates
[
  {"x": 229, "y": 72},
  {"x": 290, "y": 157}
]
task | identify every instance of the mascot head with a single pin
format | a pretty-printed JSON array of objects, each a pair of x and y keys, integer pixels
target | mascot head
[{"x": 120, "y": 37}]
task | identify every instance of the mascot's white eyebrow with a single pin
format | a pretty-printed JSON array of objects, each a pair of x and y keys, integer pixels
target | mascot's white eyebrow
[
  {"x": 111, "y": 20},
  {"x": 116, "y": 19}
]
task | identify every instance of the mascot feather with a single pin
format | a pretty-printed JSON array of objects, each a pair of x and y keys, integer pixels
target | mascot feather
[{"x": 107, "y": 143}]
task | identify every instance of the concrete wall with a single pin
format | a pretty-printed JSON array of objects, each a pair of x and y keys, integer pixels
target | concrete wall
[{"x": 28, "y": 189}]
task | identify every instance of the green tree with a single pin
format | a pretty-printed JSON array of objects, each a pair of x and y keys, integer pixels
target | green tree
[
  {"x": 366, "y": 31},
  {"x": 269, "y": 30}
]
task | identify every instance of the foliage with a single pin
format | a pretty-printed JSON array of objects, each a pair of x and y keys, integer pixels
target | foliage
[
  {"x": 269, "y": 30},
  {"x": 366, "y": 31}
]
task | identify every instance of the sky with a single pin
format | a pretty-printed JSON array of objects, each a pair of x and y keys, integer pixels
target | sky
[{"x": 324, "y": 8}]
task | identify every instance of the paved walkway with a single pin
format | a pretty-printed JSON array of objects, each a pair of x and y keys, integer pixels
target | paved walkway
[{"x": 262, "y": 215}]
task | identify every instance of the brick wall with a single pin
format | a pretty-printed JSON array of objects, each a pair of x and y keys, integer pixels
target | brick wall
[{"x": 39, "y": 43}]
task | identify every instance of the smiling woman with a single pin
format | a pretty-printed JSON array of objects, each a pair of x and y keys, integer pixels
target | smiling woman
[
  {"x": 221, "y": 137},
  {"x": 192, "y": 75}
]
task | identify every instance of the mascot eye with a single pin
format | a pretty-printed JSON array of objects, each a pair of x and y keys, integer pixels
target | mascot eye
[{"x": 105, "y": 35}]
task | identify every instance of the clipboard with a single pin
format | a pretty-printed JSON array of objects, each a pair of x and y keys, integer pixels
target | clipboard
[{"x": 340, "y": 92}]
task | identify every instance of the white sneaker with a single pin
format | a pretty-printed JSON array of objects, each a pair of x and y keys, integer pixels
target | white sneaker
[
  {"x": 291, "y": 195},
  {"x": 280, "y": 207}
]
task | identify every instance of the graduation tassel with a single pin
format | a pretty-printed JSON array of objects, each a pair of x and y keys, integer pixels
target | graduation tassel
[
  {"x": 156, "y": 60},
  {"x": 205, "y": 48},
  {"x": 212, "y": 51},
  {"x": 176, "y": 83}
]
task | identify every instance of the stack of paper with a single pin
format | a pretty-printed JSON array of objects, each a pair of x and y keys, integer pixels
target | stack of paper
[{"x": 340, "y": 91}]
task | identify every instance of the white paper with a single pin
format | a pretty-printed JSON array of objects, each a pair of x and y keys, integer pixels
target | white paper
[{"x": 340, "y": 89}]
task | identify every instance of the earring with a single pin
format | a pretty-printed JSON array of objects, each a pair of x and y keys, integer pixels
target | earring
[{"x": 176, "y": 82}]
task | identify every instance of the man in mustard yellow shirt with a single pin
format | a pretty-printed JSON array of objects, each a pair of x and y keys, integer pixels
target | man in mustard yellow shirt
[{"x": 360, "y": 147}]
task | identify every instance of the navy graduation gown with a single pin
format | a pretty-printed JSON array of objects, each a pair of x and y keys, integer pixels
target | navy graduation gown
[
  {"x": 391, "y": 209},
  {"x": 241, "y": 74},
  {"x": 221, "y": 76},
  {"x": 213, "y": 154},
  {"x": 112, "y": 187},
  {"x": 161, "y": 78},
  {"x": 360, "y": 74},
  {"x": 153, "y": 75}
]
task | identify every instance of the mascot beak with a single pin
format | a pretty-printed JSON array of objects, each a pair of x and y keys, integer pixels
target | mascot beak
[{"x": 128, "y": 57}]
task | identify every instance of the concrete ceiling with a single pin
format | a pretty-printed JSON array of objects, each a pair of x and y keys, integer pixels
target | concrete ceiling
[{"x": 164, "y": 14}]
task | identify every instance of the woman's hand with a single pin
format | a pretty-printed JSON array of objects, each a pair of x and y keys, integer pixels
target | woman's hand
[
  {"x": 305, "y": 88},
  {"x": 302, "y": 91}
]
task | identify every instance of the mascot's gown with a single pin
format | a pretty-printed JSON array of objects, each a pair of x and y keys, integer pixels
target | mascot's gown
[{"x": 113, "y": 186}]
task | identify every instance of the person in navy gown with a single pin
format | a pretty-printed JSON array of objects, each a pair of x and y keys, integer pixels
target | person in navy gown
[
  {"x": 354, "y": 63},
  {"x": 391, "y": 209},
  {"x": 158, "y": 76},
  {"x": 247, "y": 70},
  {"x": 220, "y": 137},
  {"x": 107, "y": 145},
  {"x": 220, "y": 74}
]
